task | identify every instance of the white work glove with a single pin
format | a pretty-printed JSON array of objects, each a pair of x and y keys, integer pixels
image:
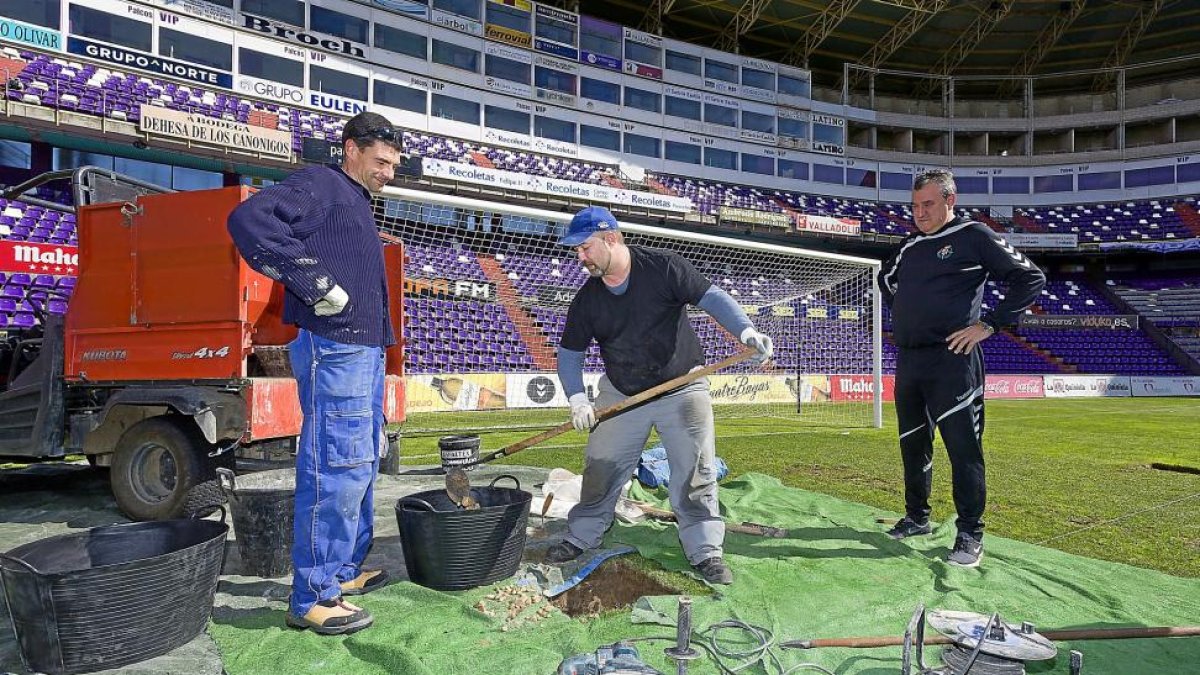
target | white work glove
[
  {"x": 333, "y": 302},
  {"x": 583, "y": 415},
  {"x": 756, "y": 340}
]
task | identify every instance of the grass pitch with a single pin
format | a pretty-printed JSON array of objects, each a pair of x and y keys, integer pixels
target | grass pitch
[{"x": 1072, "y": 474}]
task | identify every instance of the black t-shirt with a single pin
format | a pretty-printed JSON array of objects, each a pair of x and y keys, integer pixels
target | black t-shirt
[{"x": 644, "y": 334}]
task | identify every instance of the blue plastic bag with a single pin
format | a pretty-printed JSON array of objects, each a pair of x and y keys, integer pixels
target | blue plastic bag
[{"x": 653, "y": 470}]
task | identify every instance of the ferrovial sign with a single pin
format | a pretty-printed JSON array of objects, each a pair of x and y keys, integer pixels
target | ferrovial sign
[{"x": 176, "y": 125}]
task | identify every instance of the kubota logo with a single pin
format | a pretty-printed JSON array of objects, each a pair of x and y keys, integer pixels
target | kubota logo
[{"x": 105, "y": 355}]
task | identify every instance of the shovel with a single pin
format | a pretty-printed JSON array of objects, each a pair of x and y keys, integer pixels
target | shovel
[{"x": 458, "y": 484}]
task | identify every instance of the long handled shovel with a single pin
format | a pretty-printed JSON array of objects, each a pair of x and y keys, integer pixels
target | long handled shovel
[{"x": 458, "y": 485}]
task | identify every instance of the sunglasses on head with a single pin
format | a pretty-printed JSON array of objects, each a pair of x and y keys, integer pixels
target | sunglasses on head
[{"x": 387, "y": 134}]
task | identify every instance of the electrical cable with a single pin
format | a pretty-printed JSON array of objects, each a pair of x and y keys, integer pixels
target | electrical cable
[{"x": 762, "y": 650}]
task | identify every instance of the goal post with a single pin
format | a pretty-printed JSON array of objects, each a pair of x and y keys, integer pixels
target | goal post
[{"x": 487, "y": 288}]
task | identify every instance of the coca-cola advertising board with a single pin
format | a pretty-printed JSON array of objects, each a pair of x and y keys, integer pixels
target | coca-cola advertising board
[
  {"x": 1014, "y": 386},
  {"x": 859, "y": 387},
  {"x": 34, "y": 258}
]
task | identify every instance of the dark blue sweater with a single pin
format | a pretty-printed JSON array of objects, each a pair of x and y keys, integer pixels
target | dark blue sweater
[{"x": 312, "y": 231}]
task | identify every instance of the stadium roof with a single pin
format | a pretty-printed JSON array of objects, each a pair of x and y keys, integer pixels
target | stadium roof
[{"x": 943, "y": 37}]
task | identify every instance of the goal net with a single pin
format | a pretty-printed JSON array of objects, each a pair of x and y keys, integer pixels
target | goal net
[{"x": 487, "y": 288}]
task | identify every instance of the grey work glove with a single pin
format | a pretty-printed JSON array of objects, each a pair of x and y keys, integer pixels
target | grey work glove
[
  {"x": 333, "y": 302},
  {"x": 583, "y": 415},
  {"x": 756, "y": 340}
]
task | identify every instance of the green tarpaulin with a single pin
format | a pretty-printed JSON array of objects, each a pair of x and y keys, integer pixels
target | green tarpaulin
[{"x": 835, "y": 575}]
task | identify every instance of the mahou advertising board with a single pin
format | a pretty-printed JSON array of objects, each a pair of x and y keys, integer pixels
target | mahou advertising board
[
  {"x": 859, "y": 387},
  {"x": 35, "y": 258}
]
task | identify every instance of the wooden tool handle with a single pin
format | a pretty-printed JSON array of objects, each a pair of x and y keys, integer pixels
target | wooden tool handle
[
  {"x": 755, "y": 529},
  {"x": 618, "y": 408},
  {"x": 1131, "y": 632}
]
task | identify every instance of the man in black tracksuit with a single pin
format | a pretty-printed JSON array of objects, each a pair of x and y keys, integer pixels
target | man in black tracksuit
[{"x": 934, "y": 285}]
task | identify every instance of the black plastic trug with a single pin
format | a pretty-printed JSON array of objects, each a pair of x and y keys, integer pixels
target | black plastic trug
[
  {"x": 112, "y": 596},
  {"x": 263, "y": 508},
  {"x": 452, "y": 549}
]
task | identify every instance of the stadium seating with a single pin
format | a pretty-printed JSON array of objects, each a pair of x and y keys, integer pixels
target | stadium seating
[
  {"x": 1128, "y": 221},
  {"x": 447, "y": 336},
  {"x": 25, "y": 222},
  {"x": 472, "y": 335},
  {"x": 463, "y": 335},
  {"x": 1120, "y": 352},
  {"x": 54, "y": 82},
  {"x": 1168, "y": 301},
  {"x": 1073, "y": 295},
  {"x": 22, "y": 294}
]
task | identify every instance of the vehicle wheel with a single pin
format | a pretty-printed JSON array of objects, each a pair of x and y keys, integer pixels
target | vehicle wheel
[
  {"x": 207, "y": 496},
  {"x": 156, "y": 464}
]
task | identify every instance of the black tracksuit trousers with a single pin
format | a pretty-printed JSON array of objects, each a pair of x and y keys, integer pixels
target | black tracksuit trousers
[{"x": 936, "y": 387}]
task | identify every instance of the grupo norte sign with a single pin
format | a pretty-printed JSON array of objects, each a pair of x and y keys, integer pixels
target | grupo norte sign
[
  {"x": 214, "y": 132},
  {"x": 128, "y": 58}
]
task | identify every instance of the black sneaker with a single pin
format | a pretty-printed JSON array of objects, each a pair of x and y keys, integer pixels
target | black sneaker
[
  {"x": 907, "y": 527},
  {"x": 562, "y": 552},
  {"x": 715, "y": 571},
  {"x": 968, "y": 551}
]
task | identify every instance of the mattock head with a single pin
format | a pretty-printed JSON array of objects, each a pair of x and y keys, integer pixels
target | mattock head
[{"x": 458, "y": 488}]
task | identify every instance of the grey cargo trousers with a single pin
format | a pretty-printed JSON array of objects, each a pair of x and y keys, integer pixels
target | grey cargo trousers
[{"x": 684, "y": 421}]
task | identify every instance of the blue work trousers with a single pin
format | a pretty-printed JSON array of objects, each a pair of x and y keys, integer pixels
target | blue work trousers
[{"x": 341, "y": 396}]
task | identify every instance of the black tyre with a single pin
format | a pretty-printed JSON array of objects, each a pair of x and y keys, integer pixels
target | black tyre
[
  {"x": 156, "y": 466},
  {"x": 206, "y": 497}
]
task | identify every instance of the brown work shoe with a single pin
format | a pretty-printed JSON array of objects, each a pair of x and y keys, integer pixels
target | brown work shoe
[
  {"x": 332, "y": 617},
  {"x": 365, "y": 582}
]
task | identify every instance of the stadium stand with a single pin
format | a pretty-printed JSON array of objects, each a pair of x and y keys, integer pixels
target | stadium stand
[
  {"x": 1128, "y": 221},
  {"x": 504, "y": 336},
  {"x": 475, "y": 336},
  {"x": 54, "y": 82},
  {"x": 1168, "y": 301}
]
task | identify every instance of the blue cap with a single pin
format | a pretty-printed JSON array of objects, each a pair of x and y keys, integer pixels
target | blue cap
[{"x": 587, "y": 222}]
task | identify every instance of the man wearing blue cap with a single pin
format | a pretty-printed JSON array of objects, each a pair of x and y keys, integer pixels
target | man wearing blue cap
[{"x": 634, "y": 306}]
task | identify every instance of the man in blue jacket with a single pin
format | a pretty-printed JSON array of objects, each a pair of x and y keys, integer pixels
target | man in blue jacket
[{"x": 315, "y": 233}]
